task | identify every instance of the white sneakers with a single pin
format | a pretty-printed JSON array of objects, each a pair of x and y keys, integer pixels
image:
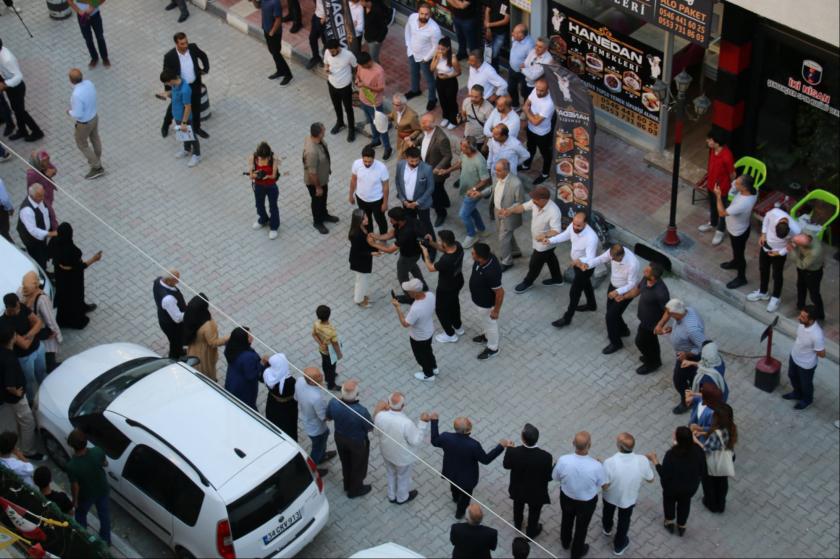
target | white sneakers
[
  {"x": 257, "y": 225},
  {"x": 181, "y": 153},
  {"x": 468, "y": 241},
  {"x": 705, "y": 227},
  {"x": 446, "y": 339},
  {"x": 458, "y": 332},
  {"x": 420, "y": 376},
  {"x": 451, "y": 126},
  {"x": 757, "y": 295},
  {"x": 272, "y": 235},
  {"x": 194, "y": 160},
  {"x": 444, "y": 122},
  {"x": 773, "y": 305},
  {"x": 718, "y": 238}
]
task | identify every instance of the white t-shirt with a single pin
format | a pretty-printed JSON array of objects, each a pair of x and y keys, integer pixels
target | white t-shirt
[
  {"x": 580, "y": 477},
  {"x": 421, "y": 317},
  {"x": 809, "y": 340},
  {"x": 341, "y": 67},
  {"x": 369, "y": 180},
  {"x": 625, "y": 473},
  {"x": 543, "y": 220},
  {"x": 24, "y": 470},
  {"x": 357, "y": 14},
  {"x": 739, "y": 214},
  {"x": 544, "y": 107}
]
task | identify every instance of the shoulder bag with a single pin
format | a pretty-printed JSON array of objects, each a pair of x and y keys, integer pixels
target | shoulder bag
[{"x": 720, "y": 463}]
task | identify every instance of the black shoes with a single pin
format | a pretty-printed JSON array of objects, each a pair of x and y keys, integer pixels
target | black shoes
[
  {"x": 506, "y": 267},
  {"x": 625, "y": 332},
  {"x": 285, "y": 81},
  {"x": 17, "y": 135},
  {"x": 314, "y": 61},
  {"x": 295, "y": 28},
  {"x": 386, "y": 155},
  {"x": 612, "y": 348},
  {"x": 412, "y": 94},
  {"x": 736, "y": 283},
  {"x": 34, "y": 137},
  {"x": 164, "y": 130},
  {"x": 791, "y": 396},
  {"x": 90, "y": 307},
  {"x": 374, "y": 144},
  {"x": 487, "y": 354},
  {"x": 561, "y": 323},
  {"x": 183, "y": 17},
  {"x": 430, "y": 106},
  {"x": 337, "y": 128},
  {"x": 329, "y": 455},
  {"x": 540, "y": 179},
  {"x": 202, "y": 134},
  {"x": 171, "y": 6},
  {"x": 586, "y": 308},
  {"x": 361, "y": 493},
  {"x": 9, "y": 130},
  {"x": 523, "y": 287},
  {"x": 646, "y": 369},
  {"x": 321, "y": 229},
  {"x": 440, "y": 219},
  {"x": 550, "y": 281},
  {"x": 331, "y": 219},
  {"x": 482, "y": 339},
  {"x": 411, "y": 496},
  {"x": 275, "y": 75},
  {"x": 728, "y": 265},
  {"x": 351, "y": 135},
  {"x": 680, "y": 409}
]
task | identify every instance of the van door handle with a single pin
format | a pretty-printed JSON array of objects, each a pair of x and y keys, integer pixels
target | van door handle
[{"x": 113, "y": 476}]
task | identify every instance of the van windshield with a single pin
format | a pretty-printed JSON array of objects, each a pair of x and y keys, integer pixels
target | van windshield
[{"x": 269, "y": 499}]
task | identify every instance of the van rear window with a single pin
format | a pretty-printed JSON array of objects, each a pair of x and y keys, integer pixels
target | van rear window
[{"x": 270, "y": 498}]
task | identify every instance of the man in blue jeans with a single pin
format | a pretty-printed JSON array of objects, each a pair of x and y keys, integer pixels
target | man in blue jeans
[
  {"x": 313, "y": 415},
  {"x": 28, "y": 347},
  {"x": 86, "y": 471},
  {"x": 421, "y": 42},
  {"x": 370, "y": 79},
  {"x": 475, "y": 178},
  {"x": 808, "y": 347},
  {"x": 465, "y": 14}
]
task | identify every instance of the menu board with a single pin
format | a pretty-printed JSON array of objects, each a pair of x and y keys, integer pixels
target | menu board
[
  {"x": 689, "y": 19},
  {"x": 618, "y": 70},
  {"x": 574, "y": 134}
]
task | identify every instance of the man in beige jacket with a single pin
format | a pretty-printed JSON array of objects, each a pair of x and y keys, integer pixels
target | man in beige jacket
[{"x": 316, "y": 174}]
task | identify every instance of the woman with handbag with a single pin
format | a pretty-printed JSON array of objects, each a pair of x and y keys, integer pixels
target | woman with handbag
[
  {"x": 680, "y": 473},
  {"x": 719, "y": 447},
  {"x": 446, "y": 67},
  {"x": 31, "y": 295}
]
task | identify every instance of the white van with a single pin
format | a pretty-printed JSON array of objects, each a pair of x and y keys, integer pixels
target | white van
[
  {"x": 200, "y": 469},
  {"x": 16, "y": 264}
]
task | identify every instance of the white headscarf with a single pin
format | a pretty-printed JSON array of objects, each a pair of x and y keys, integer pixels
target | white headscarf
[
  {"x": 709, "y": 356},
  {"x": 277, "y": 371}
]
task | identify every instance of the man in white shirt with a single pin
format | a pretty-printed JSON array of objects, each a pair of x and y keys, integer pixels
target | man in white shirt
[
  {"x": 532, "y": 66},
  {"x": 475, "y": 110},
  {"x": 483, "y": 74},
  {"x": 738, "y": 215},
  {"x": 369, "y": 185},
  {"x": 171, "y": 307},
  {"x": 580, "y": 477},
  {"x": 313, "y": 414},
  {"x": 625, "y": 472},
  {"x": 503, "y": 114},
  {"x": 316, "y": 33},
  {"x": 340, "y": 64},
  {"x": 504, "y": 146},
  {"x": 34, "y": 227},
  {"x": 777, "y": 232},
  {"x": 83, "y": 111},
  {"x": 584, "y": 243},
  {"x": 808, "y": 346},
  {"x": 539, "y": 112},
  {"x": 545, "y": 222},
  {"x": 12, "y": 83},
  {"x": 421, "y": 327},
  {"x": 397, "y": 436},
  {"x": 357, "y": 15},
  {"x": 421, "y": 41},
  {"x": 625, "y": 274}
]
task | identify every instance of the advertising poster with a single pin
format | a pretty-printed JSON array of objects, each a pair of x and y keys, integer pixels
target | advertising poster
[
  {"x": 339, "y": 25},
  {"x": 618, "y": 70},
  {"x": 689, "y": 19},
  {"x": 574, "y": 134}
]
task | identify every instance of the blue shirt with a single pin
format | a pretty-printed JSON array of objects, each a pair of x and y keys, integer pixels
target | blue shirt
[
  {"x": 270, "y": 10},
  {"x": 519, "y": 50},
  {"x": 349, "y": 423},
  {"x": 83, "y": 101},
  {"x": 5, "y": 201},
  {"x": 181, "y": 96}
]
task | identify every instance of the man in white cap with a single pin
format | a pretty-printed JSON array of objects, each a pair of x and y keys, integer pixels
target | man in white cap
[{"x": 421, "y": 327}]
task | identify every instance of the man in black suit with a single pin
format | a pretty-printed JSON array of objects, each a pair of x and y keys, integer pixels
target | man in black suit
[
  {"x": 461, "y": 455},
  {"x": 530, "y": 471},
  {"x": 471, "y": 540},
  {"x": 190, "y": 63}
]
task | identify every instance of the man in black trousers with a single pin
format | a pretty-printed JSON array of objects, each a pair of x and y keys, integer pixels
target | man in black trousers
[
  {"x": 171, "y": 306},
  {"x": 461, "y": 456},
  {"x": 190, "y": 63},
  {"x": 273, "y": 32},
  {"x": 530, "y": 472},
  {"x": 653, "y": 296},
  {"x": 182, "y": 6},
  {"x": 471, "y": 540}
]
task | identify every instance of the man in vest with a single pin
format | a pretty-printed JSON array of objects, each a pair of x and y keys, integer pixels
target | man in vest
[
  {"x": 170, "y": 311},
  {"x": 34, "y": 225}
]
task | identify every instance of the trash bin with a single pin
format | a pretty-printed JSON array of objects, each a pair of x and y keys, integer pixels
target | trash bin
[
  {"x": 59, "y": 9},
  {"x": 204, "y": 109}
]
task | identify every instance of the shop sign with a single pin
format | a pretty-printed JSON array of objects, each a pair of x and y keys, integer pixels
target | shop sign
[
  {"x": 807, "y": 88},
  {"x": 689, "y": 19},
  {"x": 338, "y": 22},
  {"x": 618, "y": 70},
  {"x": 574, "y": 135}
]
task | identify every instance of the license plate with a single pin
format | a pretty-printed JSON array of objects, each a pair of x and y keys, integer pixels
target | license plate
[{"x": 284, "y": 525}]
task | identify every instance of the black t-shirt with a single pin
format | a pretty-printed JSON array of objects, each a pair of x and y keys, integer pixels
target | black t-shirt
[
  {"x": 652, "y": 302},
  {"x": 484, "y": 281},
  {"x": 450, "y": 277},
  {"x": 407, "y": 240},
  {"x": 62, "y": 500},
  {"x": 20, "y": 322},
  {"x": 469, "y": 12},
  {"x": 498, "y": 10},
  {"x": 12, "y": 375}
]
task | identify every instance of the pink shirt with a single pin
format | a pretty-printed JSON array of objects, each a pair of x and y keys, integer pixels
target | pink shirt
[{"x": 371, "y": 77}]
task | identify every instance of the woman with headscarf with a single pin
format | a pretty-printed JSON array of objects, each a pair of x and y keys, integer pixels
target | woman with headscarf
[
  {"x": 31, "y": 295},
  {"x": 244, "y": 367},
  {"x": 702, "y": 404},
  {"x": 70, "y": 279},
  {"x": 723, "y": 436},
  {"x": 710, "y": 369},
  {"x": 201, "y": 334},
  {"x": 281, "y": 407},
  {"x": 42, "y": 174}
]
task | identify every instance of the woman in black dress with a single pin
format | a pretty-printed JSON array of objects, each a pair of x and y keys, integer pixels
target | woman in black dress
[
  {"x": 361, "y": 257},
  {"x": 280, "y": 406},
  {"x": 70, "y": 279},
  {"x": 680, "y": 473}
]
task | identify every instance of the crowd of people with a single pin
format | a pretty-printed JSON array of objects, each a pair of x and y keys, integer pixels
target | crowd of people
[{"x": 490, "y": 164}]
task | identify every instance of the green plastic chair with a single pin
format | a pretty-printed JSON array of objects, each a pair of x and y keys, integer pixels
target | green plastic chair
[
  {"x": 754, "y": 168},
  {"x": 822, "y": 196}
]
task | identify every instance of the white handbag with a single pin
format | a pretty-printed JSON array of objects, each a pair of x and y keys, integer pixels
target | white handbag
[{"x": 720, "y": 463}]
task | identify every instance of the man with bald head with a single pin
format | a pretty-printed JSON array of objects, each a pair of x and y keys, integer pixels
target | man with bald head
[
  {"x": 352, "y": 424},
  {"x": 521, "y": 45},
  {"x": 580, "y": 477},
  {"x": 83, "y": 111},
  {"x": 313, "y": 414},
  {"x": 471, "y": 540},
  {"x": 399, "y": 439},
  {"x": 34, "y": 227},
  {"x": 461, "y": 456},
  {"x": 507, "y": 192},
  {"x": 171, "y": 307},
  {"x": 436, "y": 151},
  {"x": 625, "y": 472}
]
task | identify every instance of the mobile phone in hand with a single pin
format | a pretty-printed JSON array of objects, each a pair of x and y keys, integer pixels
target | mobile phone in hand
[{"x": 393, "y": 295}]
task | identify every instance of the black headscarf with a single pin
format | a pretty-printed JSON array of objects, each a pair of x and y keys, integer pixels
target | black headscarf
[
  {"x": 62, "y": 248},
  {"x": 197, "y": 313},
  {"x": 237, "y": 343}
]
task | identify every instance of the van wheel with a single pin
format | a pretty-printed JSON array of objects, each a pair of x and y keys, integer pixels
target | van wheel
[
  {"x": 182, "y": 553},
  {"x": 55, "y": 450}
]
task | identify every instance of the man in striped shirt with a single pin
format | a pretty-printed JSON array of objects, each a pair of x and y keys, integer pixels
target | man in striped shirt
[{"x": 687, "y": 336}]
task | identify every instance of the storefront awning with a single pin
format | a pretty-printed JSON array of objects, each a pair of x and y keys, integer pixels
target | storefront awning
[{"x": 815, "y": 18}]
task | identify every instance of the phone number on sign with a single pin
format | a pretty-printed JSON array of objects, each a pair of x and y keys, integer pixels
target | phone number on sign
[{"x": 625, "y": 114}]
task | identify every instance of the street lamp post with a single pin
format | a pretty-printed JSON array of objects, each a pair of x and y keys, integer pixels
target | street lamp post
[{"x": 678, "y": 105}]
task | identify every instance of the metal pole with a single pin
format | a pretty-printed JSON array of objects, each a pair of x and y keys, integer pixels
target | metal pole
[
  {"x": 671, "y": 236},
  {"x": 667, "y": 65}
]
